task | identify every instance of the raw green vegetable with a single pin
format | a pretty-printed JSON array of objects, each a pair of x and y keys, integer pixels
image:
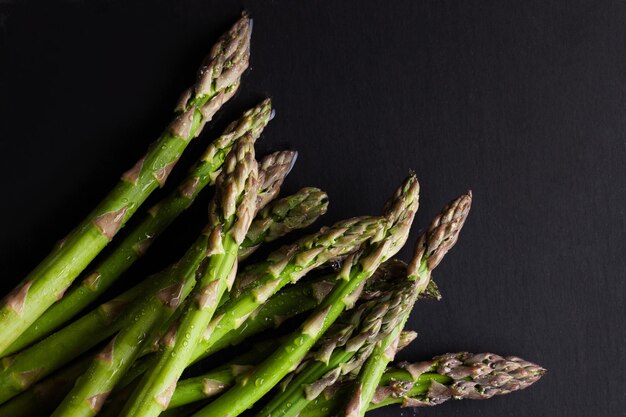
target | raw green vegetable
[
  {"x": 135, "y": 244},
  {"x": 230, "y": 214},
  {"x": 430, "y": 249},
  {"x": 59, "y": 348},
  {"x": 355, "y": 270},
  {"x": 455, "y": 376},
  {"x": 217, "y": 81}
]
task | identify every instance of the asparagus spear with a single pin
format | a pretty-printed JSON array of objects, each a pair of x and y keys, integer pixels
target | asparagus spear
[
  {"x": 344, "y": 350},
  {"x": 135, "y": 244},
  {"x": 23, "y": 369},
  {"x": 456, "y": 376},
  {"x": 291, "y": 262},
  {"x": 430, "y": 249},
  {"x": 350, "y": 342},
  {"x": 274, "y": 164},
  {"x": 356, "y": 269},
  {"x": 230, "y": 214},
  {"x": 294, "y": 261},
  {"x": 213, "y": 383},
  {"x": 216, "y": 83},
  {"x": 287, "y": 265},
  {"x": 287, "y": 303}
]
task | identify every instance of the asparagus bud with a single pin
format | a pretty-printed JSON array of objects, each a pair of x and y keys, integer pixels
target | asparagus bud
[
  {"x": 469, "y": 376},
  {"x": 441, "y": 236},
  {"x": 296, "y": 211},
  {"x": 273, "y": 169}
]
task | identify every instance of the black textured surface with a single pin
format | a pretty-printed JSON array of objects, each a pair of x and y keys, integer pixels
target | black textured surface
[{"x": 523, "y": 102}]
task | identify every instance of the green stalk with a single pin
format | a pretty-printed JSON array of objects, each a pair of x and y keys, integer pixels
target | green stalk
[
  {"x": 288, "y": 303},
  {"x": 230, "y": 214},
  {"x": 431, "y": 247},
  {"x": 218, "y": 380},
  {"x": 356, "y": 269},
  {"x": 204, "y": 386},
  {"x": 217, "y": 82},
  {"x": 135, "y": 244},
  {"x": 23, "y": 369},
  {"x": 42, "y": 398}
]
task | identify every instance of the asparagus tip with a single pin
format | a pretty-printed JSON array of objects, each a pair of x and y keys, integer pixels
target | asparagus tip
[{"x": 440, "y": 237}]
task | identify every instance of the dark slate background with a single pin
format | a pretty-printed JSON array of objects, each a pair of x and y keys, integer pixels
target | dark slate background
[{"x": 523, "y": 102}]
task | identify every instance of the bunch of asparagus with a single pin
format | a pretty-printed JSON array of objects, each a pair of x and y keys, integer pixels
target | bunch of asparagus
[{"x": 132, "y": 355}]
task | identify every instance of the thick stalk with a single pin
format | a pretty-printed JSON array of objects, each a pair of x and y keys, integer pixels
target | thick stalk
[
  {"x": 431, "y": 247},
  {"x": 288, "y": 303},
  {"x": 217, "y": 82},
  {"x": 356, "y": 269},
  {"x": 137, "y": 242},
  {"x": 42, "y": 398},
  {"x": 204, "y": 386},
  {"x": 23, "y": 369},
  {"x": 26, "y": 367},
  {"x": 291, "y": 301},
  {"x": 218, "y": 380},
  {"x": 230, "y": 214}
]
